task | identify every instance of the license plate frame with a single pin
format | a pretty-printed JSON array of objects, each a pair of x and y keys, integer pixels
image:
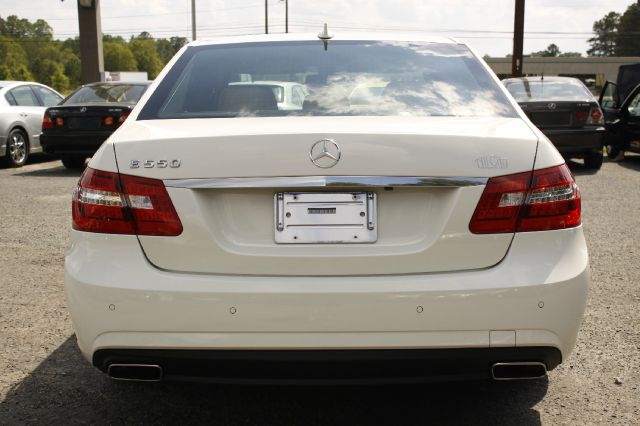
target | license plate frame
[{"x": 325, "y": 217}]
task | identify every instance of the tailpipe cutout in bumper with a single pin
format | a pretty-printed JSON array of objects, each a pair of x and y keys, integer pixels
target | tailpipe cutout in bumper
[
  {"x": 518, "y": 370},
  {"x": 135, "y": 372}
]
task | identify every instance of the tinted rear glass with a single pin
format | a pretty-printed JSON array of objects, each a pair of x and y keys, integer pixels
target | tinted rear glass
[
  {"x": 532, "y": 91},
  {"x": 348, "y": 78},
  {"x": 120, "y": 93}
]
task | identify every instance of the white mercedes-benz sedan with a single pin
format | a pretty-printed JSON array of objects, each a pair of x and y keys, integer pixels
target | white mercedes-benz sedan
[{"x": 428, "y": 231}]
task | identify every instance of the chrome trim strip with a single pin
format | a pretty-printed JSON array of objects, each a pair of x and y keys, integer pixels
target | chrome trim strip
[{"x": 326, "y": 181}]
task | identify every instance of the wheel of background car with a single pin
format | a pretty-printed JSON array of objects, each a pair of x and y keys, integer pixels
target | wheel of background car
[
  {"x": 593, "y": 160},
  {"x": 613, "y": 151},
  {"x": 73, "y": 162},
  {"x": 17, "y": 149}
]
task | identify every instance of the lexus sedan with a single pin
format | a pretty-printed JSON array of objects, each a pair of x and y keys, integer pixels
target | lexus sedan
[
  {"x": 75, "y": 129},
  {"x": 428, "y": 232},
  {"x": 566, "y": 112},
  {"x": 22, "y": 105}
]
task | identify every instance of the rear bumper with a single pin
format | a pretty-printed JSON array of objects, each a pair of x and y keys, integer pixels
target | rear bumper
[
  {"x": 85, "y": 143},
  {"x": 576, "y": 140},
  {"x": 326, "y": 366},
  {"x": 120, "y": 304}
]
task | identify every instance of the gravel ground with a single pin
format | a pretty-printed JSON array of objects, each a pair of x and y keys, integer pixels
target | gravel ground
[{"x": 44, "y": 379}]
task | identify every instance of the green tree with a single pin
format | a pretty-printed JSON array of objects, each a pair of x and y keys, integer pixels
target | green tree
[
  {"x": 71, "y": 63},
  {"x": 144, "y": 50},
  {"x": 168, "y": 47},
  {"x": 628, "y": 35},
  {"x": 570, "y": 55},
  {"x": 118, "y": 57},
  {"x": 551, "y": 51},
  {"x": 604, "y": 42},
  {"x": 19, "y": 29},
  {"x": 14, "y": 60},
  {"x": 5, "y": 72},
  {"x": 52, "y": 74}
]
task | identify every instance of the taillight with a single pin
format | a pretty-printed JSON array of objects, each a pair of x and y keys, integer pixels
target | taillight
[
  {"x": 595, "y": 116},
  {"x": 106, "y": 202},
  {"x": 122, "y": 118},
  {"x": 59, "y": 121},
  {"x": 108, "y": 121},
  {"x": 46, "y": 121},
  {"x": 539, "y": 201}
]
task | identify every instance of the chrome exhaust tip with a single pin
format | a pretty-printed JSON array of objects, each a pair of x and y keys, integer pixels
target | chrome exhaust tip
[
  {"x": 518, "y": 370},
  {"x": 135, "y": 372}
]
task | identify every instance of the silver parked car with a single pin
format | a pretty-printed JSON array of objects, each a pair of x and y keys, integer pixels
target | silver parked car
[{"x": 22, "y": 106}]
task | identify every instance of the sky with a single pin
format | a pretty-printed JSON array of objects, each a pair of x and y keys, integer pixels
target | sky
[{"x": 486, "y": 25}]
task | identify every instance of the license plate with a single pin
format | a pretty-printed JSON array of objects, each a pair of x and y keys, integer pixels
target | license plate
[
  {"x": 325, "y": 218},
  {"x": 83, "y": 123}
]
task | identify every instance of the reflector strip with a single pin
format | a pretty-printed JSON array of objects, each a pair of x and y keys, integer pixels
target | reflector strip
[
  {"x": 139, "y": 202},
  {"x": 512, "y": 199}
]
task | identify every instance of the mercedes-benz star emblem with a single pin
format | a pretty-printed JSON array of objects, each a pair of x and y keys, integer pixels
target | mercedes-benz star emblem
[
  {"x": 325, "y": 153},
  {"x": 552, "y": 105}
]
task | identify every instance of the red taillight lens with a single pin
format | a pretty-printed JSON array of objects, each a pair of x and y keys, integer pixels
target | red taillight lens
[
  {"x": 108, "y": 121},
  {"x": 595, "y": 116},
  {"x": 46, "y": 121},
  {"x": 110, "y": 203},
  {"x": 122, "y": 118},
  {"x": 543, "y": 200},
  {"x": 59, "y": 121}
]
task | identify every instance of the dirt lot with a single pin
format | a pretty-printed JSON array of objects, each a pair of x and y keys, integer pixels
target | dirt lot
[{"x": 44, "y": 379}]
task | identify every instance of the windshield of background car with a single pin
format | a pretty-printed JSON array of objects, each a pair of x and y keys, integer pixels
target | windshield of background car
[
  {"x": 348, "y": 78},
  {"x": 533, "y": 91},
  {"x": 120, "y": 93}
]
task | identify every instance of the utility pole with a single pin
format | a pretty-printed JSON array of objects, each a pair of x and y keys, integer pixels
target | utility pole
[
  {"x": 91, "y": 59},
  {"x": 193, "y": 20},
  {"x": 286, "y": 16},
  {"x": 518, "y": 40},
  {"x": 266, "y": 16}
]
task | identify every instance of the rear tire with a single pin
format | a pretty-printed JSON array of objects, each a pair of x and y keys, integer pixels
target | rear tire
[
  {"x": 17, "y": 149},
  {"x": 593, "y": 160},
  {"x": 73, "y": 162}
]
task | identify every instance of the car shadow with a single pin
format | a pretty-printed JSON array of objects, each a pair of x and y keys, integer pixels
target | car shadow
[
  {"x": 57, "y": 171},
  {"x": 631, "y": 161},
  {"x": 64, "y": 388},
  {"x": 34, "y": 159},
  {"x": 577, "y": 168}
]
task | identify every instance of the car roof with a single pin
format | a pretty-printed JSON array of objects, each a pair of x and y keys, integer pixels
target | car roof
[
  {"x": 337, "y": 36},
  {"x": 543, "y": 78},
  {"x": 267, "y": 83},
  {"x": 8, "y": 83},
  {"x": 117, "y": 83}
]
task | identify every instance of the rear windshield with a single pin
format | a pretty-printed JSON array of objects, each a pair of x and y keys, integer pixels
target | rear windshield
[
  {"x": 531, "y": 91},
  {"x": 346, "y": 78},
  {"x": 120, "y": 93}
]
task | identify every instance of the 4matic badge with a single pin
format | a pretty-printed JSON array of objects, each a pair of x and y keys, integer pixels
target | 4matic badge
[{"x": 492, "y": 162}]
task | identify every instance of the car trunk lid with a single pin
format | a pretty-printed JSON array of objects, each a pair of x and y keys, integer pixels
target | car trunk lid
[
  {"x": 90, "y": 117},
  {"x": 560, "y": 114},
  {"x": 425, "y": 174}
]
